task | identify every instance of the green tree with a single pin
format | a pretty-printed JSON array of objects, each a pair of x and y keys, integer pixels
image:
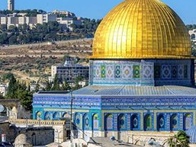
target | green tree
[
  {"x": 56, "y": 83},
  {"x": 17, "y": 90},
  {"x": 12, "y": 87},
  {"x": 65, "y": 85},
  {"x": 181, "y": 139},
  {"x": 77, "y": 80},
  {"x": 48, "y": 86},
  {"x": 13, "y": 39}
]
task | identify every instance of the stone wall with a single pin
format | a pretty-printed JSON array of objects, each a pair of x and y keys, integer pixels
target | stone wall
[
  {"x": 38, "y": 136},
  {"x": 10, "y": 131}
]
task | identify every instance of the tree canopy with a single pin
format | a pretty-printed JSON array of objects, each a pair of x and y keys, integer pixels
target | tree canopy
[
  {"x": 51, "y": 31},
  {"x": 181, "y": 139},
  {"x": 19, "y": 90}
]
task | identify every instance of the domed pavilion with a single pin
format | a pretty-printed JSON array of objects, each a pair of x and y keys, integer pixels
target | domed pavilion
[{"x": 141, "y": 77}]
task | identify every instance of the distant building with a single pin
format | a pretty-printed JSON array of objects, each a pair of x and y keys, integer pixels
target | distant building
[
  {"x": 70, "y": 71},
  {"x": 68, "y": 22},
  {"x": 17, "y": 19},
  {"x": 44, "y": 18},
  {"x": 3, "y": 20},
  {"x": 66, "y": 13},
  {"x": 10, "y": 5},
  {"x": 192, "y": 34}
]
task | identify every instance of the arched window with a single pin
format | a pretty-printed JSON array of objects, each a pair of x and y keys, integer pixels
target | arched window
[
  {"x": 121, "y": 122},
  {"x": 187, "y": 121},
  {"x": 47, "y": 116},
  {"x": 160, "y": 122},
  {"x": 173, "y": 122},
  {"x": 134, "y": 122},
  {"x": 147, "y": 122},
  {"x": 95, "y": 122},
  {"x": 56, "y": 116},
  {"x": 108, "y": 122}
]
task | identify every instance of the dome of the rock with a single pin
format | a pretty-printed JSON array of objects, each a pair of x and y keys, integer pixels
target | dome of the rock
[{"x": 141, "y": 29}]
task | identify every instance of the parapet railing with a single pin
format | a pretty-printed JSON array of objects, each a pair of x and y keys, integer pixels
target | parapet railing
[{"x": 36, "y": 122}]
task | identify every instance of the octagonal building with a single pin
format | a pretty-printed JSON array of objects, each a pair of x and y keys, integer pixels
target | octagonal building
[{"x": 141, "y": 77}]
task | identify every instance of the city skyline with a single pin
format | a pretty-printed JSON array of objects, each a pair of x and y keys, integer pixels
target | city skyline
[{"x": 90, "y": 9}]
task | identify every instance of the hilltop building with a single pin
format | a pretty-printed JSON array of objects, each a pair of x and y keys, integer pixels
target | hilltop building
[
  {"x": 45, "y": 18},
  {"x": 66, "y": 13},
  {"x": 141, "y": 78},
  {"x": 192, "y": 34},
  {"x": 21, "y": 19},
  {"x": 10, "y": 5},
  {"x": 68, "y": 22}
]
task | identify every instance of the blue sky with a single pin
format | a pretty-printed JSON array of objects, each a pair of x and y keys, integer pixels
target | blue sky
[{"x": 99, "y": 8}]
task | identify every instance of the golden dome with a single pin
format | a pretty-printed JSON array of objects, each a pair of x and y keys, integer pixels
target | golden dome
[{"x": 141, "y": 29}]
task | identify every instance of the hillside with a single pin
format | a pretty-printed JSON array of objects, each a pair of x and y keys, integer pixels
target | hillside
[{"x": 31, "y": 62}]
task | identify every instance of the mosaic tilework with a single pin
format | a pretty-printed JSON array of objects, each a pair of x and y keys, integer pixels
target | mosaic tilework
[
  {"x": 174, "y": 71},
  {"x": 103, "y": 71},
  {"x": 157, "y": 71},
  {"x": 109, "y": 71},
  {"x": 117, "y": 71},
  {"x": 180, "y": 72},
  {"x": 185, "y": 71},
  {"x": 136, "y": 71},
  {"x": 127, "y": 71},
  {"x": 166, "y": 72},
  {"x": 139, "y": 72},
  {"x": 96, "y": 72},
  {"x": 148, "y": 71},
  {"x": 122, "y": 72}
]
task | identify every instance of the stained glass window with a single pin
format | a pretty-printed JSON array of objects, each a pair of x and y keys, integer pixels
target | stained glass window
[
  {"x": 147, "y": 122},
  {"x": 188, "y": 121},
  {"x": 109, "y": 121},
  {"x": 95, "y": 121}
]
